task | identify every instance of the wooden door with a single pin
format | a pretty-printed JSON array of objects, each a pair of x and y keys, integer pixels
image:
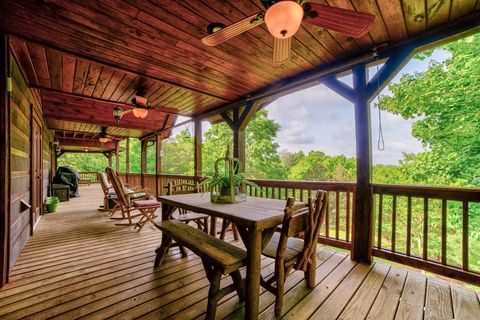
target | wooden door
[{"x": 36, "y": 158}]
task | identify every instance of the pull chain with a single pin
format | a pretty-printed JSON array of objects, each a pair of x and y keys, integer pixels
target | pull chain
[{"x": 381, "y": 141}]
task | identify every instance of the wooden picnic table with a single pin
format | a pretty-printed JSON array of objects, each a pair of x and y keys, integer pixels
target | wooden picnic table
[{"x": 256, "y": 220}]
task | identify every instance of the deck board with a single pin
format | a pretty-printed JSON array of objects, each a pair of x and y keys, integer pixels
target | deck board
[{"x": 79, "y": 264}]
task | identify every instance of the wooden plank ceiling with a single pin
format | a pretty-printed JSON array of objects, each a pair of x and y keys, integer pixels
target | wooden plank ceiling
[{"x": 79, "y": 50}]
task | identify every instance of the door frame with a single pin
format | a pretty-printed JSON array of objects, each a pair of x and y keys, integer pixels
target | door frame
[{"x": 34, "y": 156}]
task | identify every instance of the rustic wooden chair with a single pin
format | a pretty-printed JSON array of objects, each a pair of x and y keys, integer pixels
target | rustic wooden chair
[
  {"x": 200, "y": 219},
  {"x": 290, "y": 252},
  {"x": 145, "y": 205}
]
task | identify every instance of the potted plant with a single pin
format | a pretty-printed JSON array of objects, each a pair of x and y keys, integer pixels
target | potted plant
[{"x": 224, "y": 185}]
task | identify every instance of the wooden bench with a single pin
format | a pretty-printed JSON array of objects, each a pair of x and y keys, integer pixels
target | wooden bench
[{"x": 218, "y": 257}]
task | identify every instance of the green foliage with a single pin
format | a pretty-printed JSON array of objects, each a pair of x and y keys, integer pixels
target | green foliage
[
  {"x": 444, "y": 101},
  {"x": 92, "y": 162},
  {"x": 317, "y": 166},
  {"x": 178, "y": 154},
  {"x": 262, "y": 156}
]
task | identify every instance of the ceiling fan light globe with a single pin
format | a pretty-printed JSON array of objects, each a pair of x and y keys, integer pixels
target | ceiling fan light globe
[
  {"x": 103, "y": 140},
  {"x": 140, "y": 112},
  {"x": 283, "y": 19}
]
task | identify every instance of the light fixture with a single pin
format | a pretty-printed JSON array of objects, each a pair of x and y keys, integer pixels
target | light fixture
[
  {"x": 140, "y": 112},
  {"x": 86, "y": 149},
  {"x": 103, "y": 136},
  {"x": 284, "y": 18},
  {"x": 141, "y": 106}
]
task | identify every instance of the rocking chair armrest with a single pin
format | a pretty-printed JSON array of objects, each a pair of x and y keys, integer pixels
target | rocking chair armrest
[{"x": 146, "y": 190}]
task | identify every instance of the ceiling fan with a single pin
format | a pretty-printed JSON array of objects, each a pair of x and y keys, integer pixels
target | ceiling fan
[
  {"x": 140, "y": 103},
  {"x": 283, "y": 19},
  {"x": 103, "y": 137}
]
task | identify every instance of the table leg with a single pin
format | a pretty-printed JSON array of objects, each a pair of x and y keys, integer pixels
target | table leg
[
  {"x": 213, "y": 226},
  {"x": 167, "y": 211},
  {"x": 254, "y": 251}
]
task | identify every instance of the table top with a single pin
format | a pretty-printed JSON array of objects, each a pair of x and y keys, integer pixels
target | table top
[{"x": 260, "y": 213}]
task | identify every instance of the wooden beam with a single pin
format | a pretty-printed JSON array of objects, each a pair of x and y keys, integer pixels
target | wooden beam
[
  {"x": 124, "y": 106},
  {"x": 228, "y": 120},
  {"x": 339, "y": 87},
  {"x": 158, "y": 165},
  {"x": 198, "y": 149},
  {"x": 4, "y": 162},
  {"x": 127, "y": 159},
  {"x": 109, "y": 159},
  {"x": 143, "y": 162},
  {"x": 87, "y": 143},
  {"x": 390, "y": 68},
  {"x": 158, "y": 132}
]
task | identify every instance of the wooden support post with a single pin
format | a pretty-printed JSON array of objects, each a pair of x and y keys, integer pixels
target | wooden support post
[
  {"x": 363, "y": 218},
  {"x": 360, "y": 95},
  {"x": 117, "y": 156},
  {"x": 239, "y": 148},
  {"x": 127, "y": 159},
  {"x": 198, "y": 149},
  {"x": 238, "y": 123},
  {"x": 4, "y": 162},
  {"x": 109, "y": 157},
  {"x": 158, "y": 166},
  {"x": 143, "y": 162}
]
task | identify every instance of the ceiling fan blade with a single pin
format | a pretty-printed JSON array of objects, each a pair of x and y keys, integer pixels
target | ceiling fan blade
[
  {"x": 348, "y": 22},
  {"x": 281, "y": 50},
  {"x": 233, "y": 30}
]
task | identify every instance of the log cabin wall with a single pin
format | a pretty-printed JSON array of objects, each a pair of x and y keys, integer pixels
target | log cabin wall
[{"x": 25, "y": 104}]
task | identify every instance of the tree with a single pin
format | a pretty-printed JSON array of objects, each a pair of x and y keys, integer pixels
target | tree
[
  {"x": 317, "y": 166},
  {"x": 444, "y": 102},
  {"x": 262, "y": 158}
]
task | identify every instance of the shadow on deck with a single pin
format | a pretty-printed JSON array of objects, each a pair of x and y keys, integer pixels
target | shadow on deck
[{"x": 79, "y": 264}]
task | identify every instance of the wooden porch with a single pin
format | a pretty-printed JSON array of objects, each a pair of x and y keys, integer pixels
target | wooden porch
[{"x": 78, "y": 264}]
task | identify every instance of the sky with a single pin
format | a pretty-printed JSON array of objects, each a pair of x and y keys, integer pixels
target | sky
[{"x": 319, "y": 119}]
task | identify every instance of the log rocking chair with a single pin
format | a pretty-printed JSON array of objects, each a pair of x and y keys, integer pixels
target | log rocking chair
[{"x": 146, "y": 206}]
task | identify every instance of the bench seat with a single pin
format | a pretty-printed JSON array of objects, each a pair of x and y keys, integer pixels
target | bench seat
[{"x": 223, "y": 256}]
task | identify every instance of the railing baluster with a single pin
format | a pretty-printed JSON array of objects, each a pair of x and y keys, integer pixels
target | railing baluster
[
  {"x": 444, "y": 231},
  {"x": 327, "y": 215},
  {"x": 394, "y": 222},
  {"x": 409, "y": 225},
  {"x": 380, "y": 220},
  {"x": 347, "y": 224},
  {"x": 337, "y": 215},
  {"x": 465, "y": 235},
  {"x": 425, "y": 228}
]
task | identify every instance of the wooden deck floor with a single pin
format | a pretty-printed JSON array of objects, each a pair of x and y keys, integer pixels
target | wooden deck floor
[{"x": 80, "y": 265}]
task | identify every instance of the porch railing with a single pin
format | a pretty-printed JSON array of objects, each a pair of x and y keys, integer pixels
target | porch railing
[
  {"x": 336, "y": 230},
  {"x": 90, "y": 175},
  {"x": 432, "y": 228}
]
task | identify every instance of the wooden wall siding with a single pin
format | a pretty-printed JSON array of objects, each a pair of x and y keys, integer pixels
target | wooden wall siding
[
  {"x": 20, "y": 114},
  {"x": 21, "y": 98},
  {"x": 66, "y": 73},
  {"x": 161, "y": 39}
]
